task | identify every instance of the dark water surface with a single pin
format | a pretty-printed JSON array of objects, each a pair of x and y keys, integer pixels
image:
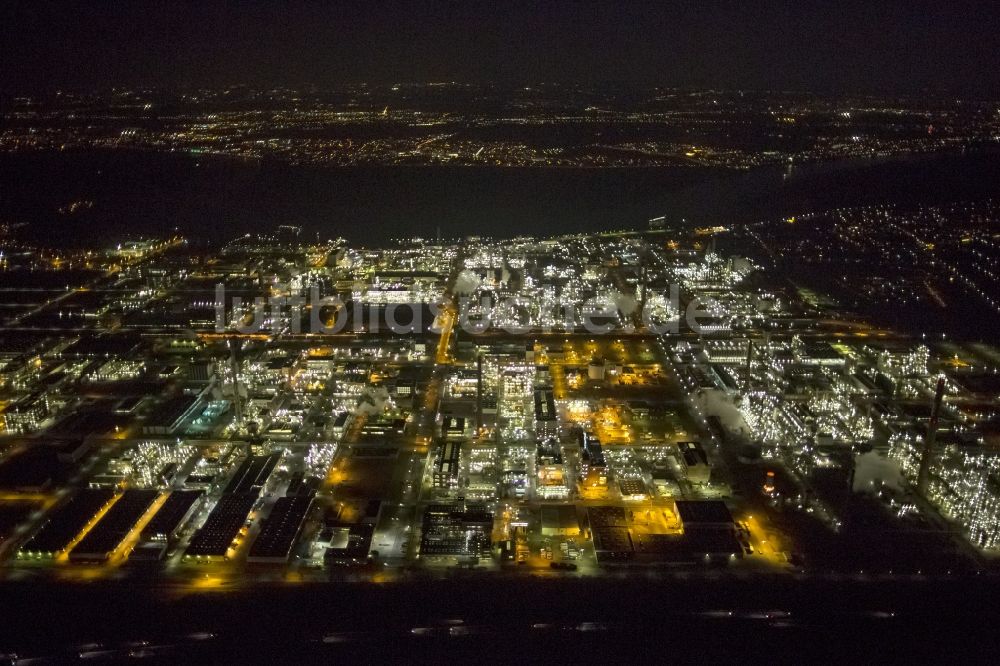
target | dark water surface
[
  {"x": 513, "y": 620},
  {"x": 215, "y": 198}
]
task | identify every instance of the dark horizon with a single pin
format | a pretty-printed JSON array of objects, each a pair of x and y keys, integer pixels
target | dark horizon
[
  {"x": 928, "y": 94},
  {"x": 891, "y": 48}
]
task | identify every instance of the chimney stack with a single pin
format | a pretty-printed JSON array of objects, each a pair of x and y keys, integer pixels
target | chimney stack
[
  {"x": 924, "y": 474},
  {"x": 479, "y": 393},
  {"x": 235, "y": 365}
]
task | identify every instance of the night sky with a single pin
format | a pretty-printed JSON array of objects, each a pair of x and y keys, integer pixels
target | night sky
[{"x": 830, "y": 45}]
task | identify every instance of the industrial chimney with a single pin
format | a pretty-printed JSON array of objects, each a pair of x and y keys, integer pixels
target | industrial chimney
[
  {"x": 235, "y": 365},
  {"x": 479, "y": 393},
  {"x": 924, "y": 475}
]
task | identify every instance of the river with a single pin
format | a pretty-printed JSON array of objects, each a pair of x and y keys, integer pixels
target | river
[{"x": 214, "y": 199}]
